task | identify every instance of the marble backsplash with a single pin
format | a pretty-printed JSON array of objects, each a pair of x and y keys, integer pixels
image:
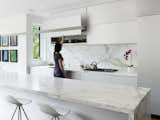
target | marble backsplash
[{"x": 106, "y": 56}]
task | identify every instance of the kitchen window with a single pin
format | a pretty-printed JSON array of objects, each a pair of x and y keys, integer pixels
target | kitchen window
[{"x": 36, "y": 42}]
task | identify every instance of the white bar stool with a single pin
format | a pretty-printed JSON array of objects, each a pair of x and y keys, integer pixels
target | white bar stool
[
  {"x": 19, "y": 102},
  {"x": 52, "y": 112}
]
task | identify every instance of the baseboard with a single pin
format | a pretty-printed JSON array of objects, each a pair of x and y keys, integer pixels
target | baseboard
[{"x": 155, "y": 116}]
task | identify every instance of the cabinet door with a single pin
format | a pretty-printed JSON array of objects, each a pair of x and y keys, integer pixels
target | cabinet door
[
  {"x": 125, "y": 80},
  {"x": 63, "y": 22},
  {"x": 105, "y": 78},
  {"x": 112, "y": 23},
  {"x": 124, "y": 32},
  {"x": 109, "y": 13}
]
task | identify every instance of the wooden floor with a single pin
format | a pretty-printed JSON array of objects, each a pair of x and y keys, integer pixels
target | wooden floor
[{"x": 155, "y": 119}]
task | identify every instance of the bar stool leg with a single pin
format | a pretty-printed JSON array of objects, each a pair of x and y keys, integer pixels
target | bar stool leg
[
  {"x": 14, "y": 113},
  {"x": 24, "y": 113},
  {"x": 19, "y": 113}
]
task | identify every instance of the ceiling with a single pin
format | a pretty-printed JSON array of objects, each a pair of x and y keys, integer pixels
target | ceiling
[{"x": 12, "y": 7}]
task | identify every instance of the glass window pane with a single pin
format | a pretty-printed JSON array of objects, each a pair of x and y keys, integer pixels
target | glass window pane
[{"x": 36, "y": 42}]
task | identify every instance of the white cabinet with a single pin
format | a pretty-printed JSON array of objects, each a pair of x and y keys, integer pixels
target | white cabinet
[
  {"x": 124, "y": 32},
  {"x": 148, "y": 7},
  {"x": 112, "y": 23},
  {"x": 114, "y": 12},
  {"x": 62, "y": 22},
  {"x": 102, "y": 77},
  {"x": 148, "y": 52},
  {"x": 106, "y": 78}
]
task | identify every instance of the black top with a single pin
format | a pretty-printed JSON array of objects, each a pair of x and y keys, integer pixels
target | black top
[{"x": 57, "y": 71}]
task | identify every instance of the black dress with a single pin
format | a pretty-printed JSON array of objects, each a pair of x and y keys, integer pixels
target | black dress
[{"x": 57, "y": 71}]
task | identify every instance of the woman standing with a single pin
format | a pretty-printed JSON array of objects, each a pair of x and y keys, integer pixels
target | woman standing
[{"x": 58, "y": 59}]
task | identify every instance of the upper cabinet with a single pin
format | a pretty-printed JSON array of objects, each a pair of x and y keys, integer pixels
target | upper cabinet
[
  {"x": 108, "y": 23},
  {"x": 63, "y": 22},
  {"x": 124, "y": 32},
  {"x": 148, "y": 7},
  {"x": 112, "y": 23},
  {"x": 112, "y": 12}
]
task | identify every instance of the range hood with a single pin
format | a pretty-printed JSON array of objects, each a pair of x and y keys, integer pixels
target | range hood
[
  {"x": 69, "y": 39},
  {"x": 81, "y": 38}
]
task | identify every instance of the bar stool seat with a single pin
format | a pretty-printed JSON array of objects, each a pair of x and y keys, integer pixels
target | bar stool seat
[
  {"x": 24, "y": 101},
  {"x": 52, "y": 112},
  {"x": 19, "y": 102}
]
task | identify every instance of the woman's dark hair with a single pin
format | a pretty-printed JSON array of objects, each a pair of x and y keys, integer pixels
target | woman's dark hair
[{"x": 58, "y": 47}]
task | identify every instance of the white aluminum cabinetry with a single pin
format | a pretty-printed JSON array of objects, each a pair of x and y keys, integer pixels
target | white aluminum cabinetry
[
  {"x": 112, "y": 23},
  {"x": 103, "y": 77},
  {"x": 89, "y": 76},
  {"x": 106, "y": 78},
  {"x": 148, "y": 50}
]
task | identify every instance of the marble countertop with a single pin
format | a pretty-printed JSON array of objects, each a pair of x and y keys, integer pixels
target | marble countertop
[
  {"x": 117, "y": 73},
  {"x": 112, "y": 97},
  {"x": 121, "y": 72}
]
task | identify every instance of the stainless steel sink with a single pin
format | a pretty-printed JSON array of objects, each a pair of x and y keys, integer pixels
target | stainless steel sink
[{"x": 102, "y": 70}]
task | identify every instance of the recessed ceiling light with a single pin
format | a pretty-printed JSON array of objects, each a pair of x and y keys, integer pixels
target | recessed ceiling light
[{"x": 31, "y": 10}]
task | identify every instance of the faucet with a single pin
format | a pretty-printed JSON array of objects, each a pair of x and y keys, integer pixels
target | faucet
[{"x": 93, "y": 65}]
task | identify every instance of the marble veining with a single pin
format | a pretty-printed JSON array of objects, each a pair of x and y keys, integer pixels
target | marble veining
[
  {"x": 107, "y": 56},
  {"x": 112, "y": 97}
]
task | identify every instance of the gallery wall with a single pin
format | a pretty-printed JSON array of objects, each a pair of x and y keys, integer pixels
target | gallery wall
[{"x": 10, "y": 25}]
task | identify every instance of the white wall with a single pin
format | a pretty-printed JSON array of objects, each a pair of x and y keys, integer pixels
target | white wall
[{"x": 15, "y": 24}]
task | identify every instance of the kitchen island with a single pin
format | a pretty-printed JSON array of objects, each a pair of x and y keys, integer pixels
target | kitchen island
[
  {"x": 93, "y": 100},
  {"x": 122, "y": 76}
]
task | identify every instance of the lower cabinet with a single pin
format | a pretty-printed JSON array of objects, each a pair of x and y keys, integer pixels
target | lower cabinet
[{"x": 102, "y": 77}]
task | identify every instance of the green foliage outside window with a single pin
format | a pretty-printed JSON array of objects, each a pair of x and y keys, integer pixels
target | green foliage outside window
[{"x": 36, "y": 42}]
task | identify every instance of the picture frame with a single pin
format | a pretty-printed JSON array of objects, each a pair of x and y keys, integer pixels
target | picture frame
[
  {"x": 13, "y": 55},
  {"x": 4, "y": 41},
  {"x": 5, "y": 55},
  {"x": 0, "y": 41},
  {"x": 14, "y": 40},
  {"x": 0, "y": 55}
]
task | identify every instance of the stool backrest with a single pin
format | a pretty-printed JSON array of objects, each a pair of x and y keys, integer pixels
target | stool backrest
[
  {"x": 13, "y": 100},
  {"x": 49, "y": 110}
]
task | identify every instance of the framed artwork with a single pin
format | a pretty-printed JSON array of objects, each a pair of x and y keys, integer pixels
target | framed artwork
[
  {"x": 5, "y": 55},
  {"x": 13, "y": 56},
  {"x": 4, "y": 41},
  {"x": 14, "y": 40},
  {"x": 0, "y": 55},
  {"x": 0, "y": 40}
]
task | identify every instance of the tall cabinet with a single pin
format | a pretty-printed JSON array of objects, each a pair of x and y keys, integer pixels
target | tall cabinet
[{"x": 149, "y": 57}]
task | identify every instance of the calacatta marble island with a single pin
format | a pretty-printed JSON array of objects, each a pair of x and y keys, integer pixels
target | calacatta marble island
[{"x": 116, "y": 101}]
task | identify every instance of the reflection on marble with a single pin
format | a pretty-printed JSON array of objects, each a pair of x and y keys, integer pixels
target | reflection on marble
[
  {"x": 119, "y": 98},
  {"x": 104, "y": 55}
]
